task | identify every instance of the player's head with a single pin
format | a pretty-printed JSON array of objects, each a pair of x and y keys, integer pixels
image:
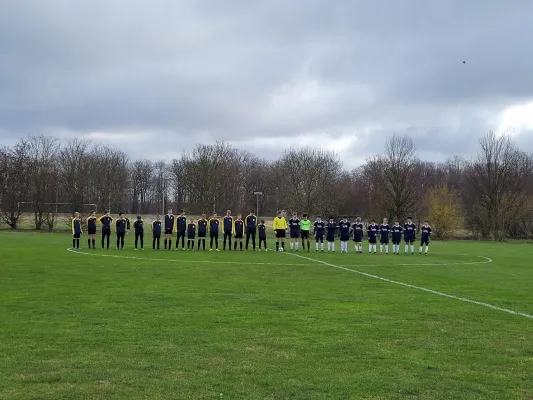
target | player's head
[
  {"x": 396, "y": 222},
  {"x": 120, "y": 215},
  {"x": 280, "y": 213},
  {"x": 169, "y": 211},
  {"x": 76, "y": 214},
  {"x": 252, "y": 212},
  {"x": 107, "y": 212},
  {"x": 318, "y": 218},
  {"x": 304, "y": 216},
  {"x": 192, "y": 220},
  {"x": 157, "y": 217},
  {"x": 93, "y": 213},
  {"x": 203, "y": 216},
  {"x": 239, "y": 215},
  {"x": 373, "y": 221},
  {"x": 345, "y": 218},
  {"x": 182, "y": 212},
  {"x": 426, "y": 222},
  {"x": 358, "y": 219},
  {"x": 215, "y": 215},
  {"x": 409, "y": 220},
  {"x": 263, "y": 221},
  {"x": 295, "y": 214},
  {"x": 228, "y": 212},
  {"x": 385, "y": 220},
  {"x": 331, "y": 218}
]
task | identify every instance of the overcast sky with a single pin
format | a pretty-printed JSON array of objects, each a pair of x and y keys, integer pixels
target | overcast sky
[{"x": 156, "y": 77}]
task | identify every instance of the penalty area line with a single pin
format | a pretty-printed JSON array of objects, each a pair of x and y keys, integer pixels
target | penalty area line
[
  {"x": 450, "y": 296},
  {"x": 174, "y": 260},
  {"x": 487, "y": 261}
]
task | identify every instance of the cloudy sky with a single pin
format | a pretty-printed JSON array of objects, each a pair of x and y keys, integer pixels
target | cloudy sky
[{"x": 156, "y": 77}]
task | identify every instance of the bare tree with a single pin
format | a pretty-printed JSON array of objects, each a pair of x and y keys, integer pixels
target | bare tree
[
  {"x": 497, "y": 180},
  {"x": 74, "y": 163},
  {"x": 306, "y": 178}
]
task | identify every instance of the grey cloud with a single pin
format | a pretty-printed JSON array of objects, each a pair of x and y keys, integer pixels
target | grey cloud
[{"x": 202, "y": 70}]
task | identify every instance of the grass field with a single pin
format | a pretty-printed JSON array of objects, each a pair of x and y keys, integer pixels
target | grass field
[{"x": 179, "y": 325}]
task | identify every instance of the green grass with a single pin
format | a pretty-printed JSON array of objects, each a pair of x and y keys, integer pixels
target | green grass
[{"x": 262, "y": 325}]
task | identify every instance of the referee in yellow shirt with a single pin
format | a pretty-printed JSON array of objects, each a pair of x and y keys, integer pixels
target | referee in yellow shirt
[{"x": 280, "y": 227}]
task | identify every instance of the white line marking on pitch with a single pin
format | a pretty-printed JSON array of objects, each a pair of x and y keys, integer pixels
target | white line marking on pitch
[
  {"x": 450, "y": 296},
  {"x": 487, "y": 261},
  {"x": 179, "y": 260}
]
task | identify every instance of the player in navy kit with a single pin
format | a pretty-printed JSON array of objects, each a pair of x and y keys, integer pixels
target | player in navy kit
[
  {"x": 261, "y": 230},
  {"x": 202, "y": 231},
  {"x": 170, "y": 221},
  {"x": 384, "y": 230},
  {"x": 357, "y": 231},
  {"x": 156, "y": 232},
  {"x": 294, "y": 231},
  {"x": 331, "y": 228},
  {"x": 396, "y": 233},
  {"x": 181, "y": 228},
  {"x": 425, "y": 234},
  {"x": 372, "y": 229},
  {"x": 344, "y": 230},
  {"x": 409, "y": 231},
  {"x": 191, "y": 235},
  {"x": 319, "y": 230}
]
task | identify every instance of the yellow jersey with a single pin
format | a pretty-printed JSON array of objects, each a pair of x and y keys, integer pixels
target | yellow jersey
[{"x": 279, "y": 223}]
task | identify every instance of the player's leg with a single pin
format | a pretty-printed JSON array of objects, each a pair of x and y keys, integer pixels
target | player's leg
[
  {"x": 421, "y": 244},
  {"x": 278, "y": 238},
  {"x": 427, "y": 246},
  {"x": 282, "y": 242},
  {"x": 142, "y": 240},
  {"x": 253, "y": 240},
  {"x": 136, "y": 239},
  {"x": 248, "y": 234},
  {"x": 211, "y": 237},
  {"x": 412, "y": 247},
  {"x": 296, "y": 242},
  {"x": 216, "y": 241}
]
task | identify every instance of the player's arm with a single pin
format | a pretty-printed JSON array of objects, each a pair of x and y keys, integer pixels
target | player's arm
[
  {"x": 73, "y": 226},
  {"x": 99, "y": 219}
]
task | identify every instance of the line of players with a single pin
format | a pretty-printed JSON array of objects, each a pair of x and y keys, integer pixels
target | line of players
[
  {"x": 238, "y": 228},
  {"x": 355, "y": 231}
]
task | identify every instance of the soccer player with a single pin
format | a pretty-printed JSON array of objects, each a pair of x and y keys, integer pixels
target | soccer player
[
  {"x": 238, "y": 231},
  {"x": 384, "y": 230},
  {"x": 344, "y": 229},
  {"x": 138, "y": 227},
  {"x": 76, "y": 231},
  {"x": 396, "y": 232},
  {"x": 261, "y": 228},
  {"x": 294, "y": 229},
  {"x": 228, "y": 229},
  {"x": 331, "y": 227},
  {"x": 280, "y": 227},
  {"x": 91, "y": 230},
  {"x": 106, "y": 220},
  {"x": 372, "y": 229},
  {"x": 181, "y": 228},
  {"x": 426, "y": 233},
  {"x": 251, "y": 228},
  {"x": 213, "y": 231},
  {"x": 156, "y": 232},
  {"x": 357, "y": 230},
  {"x": 409, "y": 231},
  {"x": 319, "y": 228},
  {"x": 202, "y": 231},
  {"x": 120, "y": 229},
  {"x": 305, "y": 228},
  {"x": 170, "y": 222},
  {"x": 191, "y": 234}
]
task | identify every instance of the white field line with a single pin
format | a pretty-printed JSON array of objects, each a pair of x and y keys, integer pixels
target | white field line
[
  {"x": 173, "y": 260},
  {"x": 487, "y": 260},
  {"x": 450, "y": 296}
]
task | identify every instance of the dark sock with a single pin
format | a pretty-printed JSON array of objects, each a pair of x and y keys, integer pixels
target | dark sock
[
  {"x": 89, "y": 243},
  {"x": 277, "y": 246},
  {"x": 170, "y": 244},
  {"x": 283, "y": 245},
  {"x": 241, "y": 245},
  {"x": 73, "y": 243},
  {"x": 78, "y": 243},
  {"x": 166, "y": 241},
  {"x": 94, "y": 243}
]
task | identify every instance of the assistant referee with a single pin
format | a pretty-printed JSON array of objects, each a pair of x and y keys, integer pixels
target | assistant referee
[{"x": 280, "y": 227}]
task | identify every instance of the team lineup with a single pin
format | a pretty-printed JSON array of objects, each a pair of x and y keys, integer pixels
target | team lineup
[{"x": 237, "y": 230}]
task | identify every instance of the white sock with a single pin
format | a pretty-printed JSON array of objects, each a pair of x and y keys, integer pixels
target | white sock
[
  {"x": 329, "y": 246},
  {"x": 427, "y": 248},
  {"x": 381, "y": 248},
  {"x": 420, "y": 251},
  {"x": 360, "y": 248},
  {"x": 333, "y": 246},
  {"x": 296, "y": 245},
  {"x": 322, "y": 246},
  {"x": 316, "y": 245},
  {"x": 375, "y": 246},
  {"x": 370, "y": 248},
  {"x": 412, "y": 248},
  {"x": 292, "y": 245},
  {"x": 387, "y": 248},
  {"x": 406, "y": 248}
]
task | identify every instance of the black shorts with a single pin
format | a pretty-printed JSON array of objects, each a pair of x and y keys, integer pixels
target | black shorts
[
  {"x": 409, "y": 239},
  {"x": 213, "y": 234},
  {"x": 294, "y": 235},
  {"x": 372, "y": 240},
  {"x": 157, "y": 235},
  {"x": 181, "y": 232},
  {"x": 121, "y": 234},
  {"x": 304, "y": 234},
  {"x": 238, "y": 235},
  {"x": 358, "y": 238},
  {"x": 91, "y": 231},
  {"x": 424, "y": 242},
  {"x": 191, "y": 236},
  {"x": 201, "y": 235},
  {"x": 76, "y": 235},
  {"x": 228, "y": 232},
  {"x": 384, "y": 240},
  {"x": 397, "y": 242},
  {"x": 168, "y": 231},
  {"x": 106, "y": 232},
  {"x": 280, "y": 233}
]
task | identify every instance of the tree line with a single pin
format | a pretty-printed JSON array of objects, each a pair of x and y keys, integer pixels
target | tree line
[{"x": 490, "y": 196}]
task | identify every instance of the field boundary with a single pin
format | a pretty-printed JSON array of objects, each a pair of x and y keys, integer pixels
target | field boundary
[
  {"x": 70, "y": 249},
  {"x": 450, "y": 296}
]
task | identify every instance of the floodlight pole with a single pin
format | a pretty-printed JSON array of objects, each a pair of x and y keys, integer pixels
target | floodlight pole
[{"x": 257, "y": 194}]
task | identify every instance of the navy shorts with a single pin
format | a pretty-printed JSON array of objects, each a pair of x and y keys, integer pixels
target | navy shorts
[
  {"x": 305, "y": 234},
  {"x": 168, "y": 231},
  {"x": 294, "y": 234},
  {"x": 372, "y": 240},
  {"x": 384, "y": 240},
  {"x": 408, "y": 239},
  {"x": 424, "y": 242},
  {"x": 358, "y": 238},
  {"x": 76, "y": 235}
]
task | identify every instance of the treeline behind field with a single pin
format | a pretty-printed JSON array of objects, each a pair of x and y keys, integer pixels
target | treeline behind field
[{"x": 490, "y": 196}]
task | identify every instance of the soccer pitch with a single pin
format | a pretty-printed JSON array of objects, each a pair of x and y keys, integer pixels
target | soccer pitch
[{"x": 95, "y": 324}]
